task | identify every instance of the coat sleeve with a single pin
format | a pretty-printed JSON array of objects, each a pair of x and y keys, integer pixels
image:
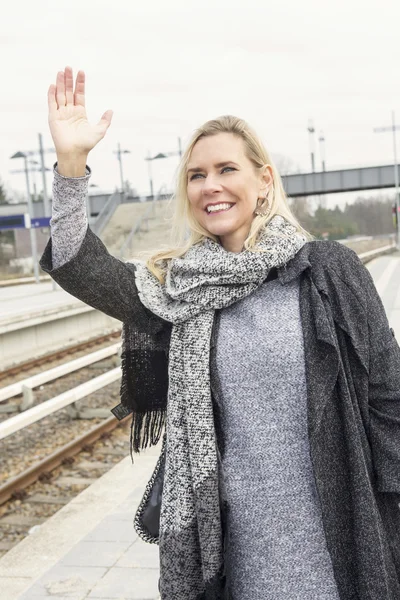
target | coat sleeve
[
  {"x": 384, "y": 390},
  {"x": 100, "y": 280}
]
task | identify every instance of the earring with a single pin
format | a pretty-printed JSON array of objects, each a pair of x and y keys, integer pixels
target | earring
[{"x": 262, "y": 208}]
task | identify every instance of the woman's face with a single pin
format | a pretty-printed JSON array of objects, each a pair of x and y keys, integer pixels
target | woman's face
[{"x": 223, "y": 188}]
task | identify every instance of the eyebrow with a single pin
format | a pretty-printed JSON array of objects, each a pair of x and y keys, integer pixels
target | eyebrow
[{"x": 218, "y": 165}]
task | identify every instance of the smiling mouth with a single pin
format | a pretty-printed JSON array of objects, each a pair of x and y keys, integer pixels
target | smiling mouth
[{"x": 218, "y": 208}]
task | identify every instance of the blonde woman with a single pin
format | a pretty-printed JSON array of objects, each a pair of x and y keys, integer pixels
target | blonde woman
[{"x": 264, "y": 358}]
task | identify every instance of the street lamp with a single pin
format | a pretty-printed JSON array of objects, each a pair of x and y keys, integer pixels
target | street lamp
[
  {"x": 321, "y": 140},
  {"x": 158, "y": 156},
  {"x": 30, "y": 212},
  {"x": 393, "y": 128},
  {"x": 34, "y": 162},
  {"x": 119, "y": 153},
  {"x": 311, "y": 132},
  {"x": 32, "y": 170}
]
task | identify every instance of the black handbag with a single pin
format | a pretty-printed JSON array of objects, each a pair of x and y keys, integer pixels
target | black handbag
[{"x": 147, "y": 517}]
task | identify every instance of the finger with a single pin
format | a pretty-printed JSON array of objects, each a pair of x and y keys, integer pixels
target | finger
[
  {"x": 80, "y": 89},
  {"x": 60, "y": 91},
  {"x": 105, "y": 120},
  {"x": 51, "y": 99},
  {"x": 108, "y": 115},
  {"x": 69, "y": 86}
]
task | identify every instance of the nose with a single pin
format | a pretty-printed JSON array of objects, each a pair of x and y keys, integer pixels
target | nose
[{"x": 211, "y": 184}]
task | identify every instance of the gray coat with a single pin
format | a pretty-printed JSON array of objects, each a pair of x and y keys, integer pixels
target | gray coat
[{"x": 353, "y": 389}]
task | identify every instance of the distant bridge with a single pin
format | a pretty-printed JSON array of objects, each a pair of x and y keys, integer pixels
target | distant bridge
[{"x": 335, "y": 182}]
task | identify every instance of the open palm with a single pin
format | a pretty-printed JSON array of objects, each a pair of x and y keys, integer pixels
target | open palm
[{"x": 69, "y": 127}]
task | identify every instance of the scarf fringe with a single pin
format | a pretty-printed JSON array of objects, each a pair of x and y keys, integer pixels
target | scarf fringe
[
  {"x": 147, "y": 422},
  {"x": 146, "y": 429}
]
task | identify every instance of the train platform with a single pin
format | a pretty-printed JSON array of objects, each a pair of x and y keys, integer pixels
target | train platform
[
  {"x": 89, "y": 548},
  {"x": 42, "y": 296},
  {"x": 37, "y": 319},
  {"x": 385, "y": 271}
]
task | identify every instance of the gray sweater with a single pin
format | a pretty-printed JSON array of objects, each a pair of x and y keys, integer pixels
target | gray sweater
[{"x": 275, "y": 542}]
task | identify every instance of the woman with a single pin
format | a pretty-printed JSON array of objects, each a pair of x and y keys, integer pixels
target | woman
[{"x": 282, "y": 445}]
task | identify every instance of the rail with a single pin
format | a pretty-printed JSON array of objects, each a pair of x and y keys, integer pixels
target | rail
[{"x": 15, "y": 486}]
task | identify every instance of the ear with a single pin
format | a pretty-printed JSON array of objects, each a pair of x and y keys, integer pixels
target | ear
[{"x": 267, "y": 179}]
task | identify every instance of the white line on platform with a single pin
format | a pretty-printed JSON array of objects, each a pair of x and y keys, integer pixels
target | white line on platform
[{"x": 386, "y": 276}]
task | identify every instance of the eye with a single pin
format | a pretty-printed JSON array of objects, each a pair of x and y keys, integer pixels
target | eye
[{"x": 196, "y": 175}]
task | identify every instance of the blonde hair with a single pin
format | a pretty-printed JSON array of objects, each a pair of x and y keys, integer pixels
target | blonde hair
[{"x": 186, "y": 231}]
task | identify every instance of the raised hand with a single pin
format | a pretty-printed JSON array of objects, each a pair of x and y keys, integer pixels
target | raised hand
[{"x": 72, "y": 134}]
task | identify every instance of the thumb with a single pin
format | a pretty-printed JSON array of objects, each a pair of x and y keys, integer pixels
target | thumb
[{"x": 106, "y": 119}]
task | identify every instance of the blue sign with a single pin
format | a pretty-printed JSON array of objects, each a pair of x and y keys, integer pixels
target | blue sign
[
  {"x": 12, "y": 222},
  {"x": 23, "y": 222},
  {"x": 40, "y": 222}
]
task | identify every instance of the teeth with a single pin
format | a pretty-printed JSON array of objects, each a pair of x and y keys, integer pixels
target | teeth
[{"x": 218, "y": 207}]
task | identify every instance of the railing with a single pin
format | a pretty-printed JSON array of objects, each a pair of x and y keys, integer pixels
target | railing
[
  {"x": 26, "y": 386},
  {"x": 64, "y": 400},
  {"x": 137, "y": 228},
  {"x": 106, "y": 212},
  {"x": 30, "y": 414}
]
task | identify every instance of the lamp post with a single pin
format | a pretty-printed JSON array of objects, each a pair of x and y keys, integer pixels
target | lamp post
[
  {"x": 311, "y": 132},
  {"x": 321, "y": 140},
  {"x": 149, "y": 169},
  {"x": 30, "y": 212},
  {"x": 158, "y": 156},
  {"x": 46, "y": 203},
  {"x": 393, "y": 128},
  {"x": 119, "y": 153},
  {"x": 33, "y": 170}
]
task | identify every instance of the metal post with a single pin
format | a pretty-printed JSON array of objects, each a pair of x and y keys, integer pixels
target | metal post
[
  {"x": 393, "y": 129},
  {"x": 34, "y": 195},
  {"x": 311, "y": 132},
  {"x": 120, "y": 168},
  {"x": 31, "y": 229},
  {"x": 396, "y": 179},
  {"x": 150, "y": 173},
  {"x": 46, "y": 203},
  {"x": 321, "y": 140}
]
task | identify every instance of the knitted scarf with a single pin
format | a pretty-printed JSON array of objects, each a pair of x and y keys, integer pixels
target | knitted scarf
[{"x": 206, "y": 278}]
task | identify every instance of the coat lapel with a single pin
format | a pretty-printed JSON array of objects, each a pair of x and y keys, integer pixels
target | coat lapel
[
  {"x": 321, "y": 353},
  {"x": 320, "y": 345}
]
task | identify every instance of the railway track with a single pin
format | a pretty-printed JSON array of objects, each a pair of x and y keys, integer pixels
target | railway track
[
  {"x": 44, "y": 465},
  {"x": 29, "y": 499}
]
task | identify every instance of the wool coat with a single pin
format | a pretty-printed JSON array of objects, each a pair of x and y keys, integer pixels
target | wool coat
[{"x": 353, "y": 394}]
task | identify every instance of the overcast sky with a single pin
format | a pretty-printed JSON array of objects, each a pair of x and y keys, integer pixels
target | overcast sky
[{"x": 166, "y": 67}]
